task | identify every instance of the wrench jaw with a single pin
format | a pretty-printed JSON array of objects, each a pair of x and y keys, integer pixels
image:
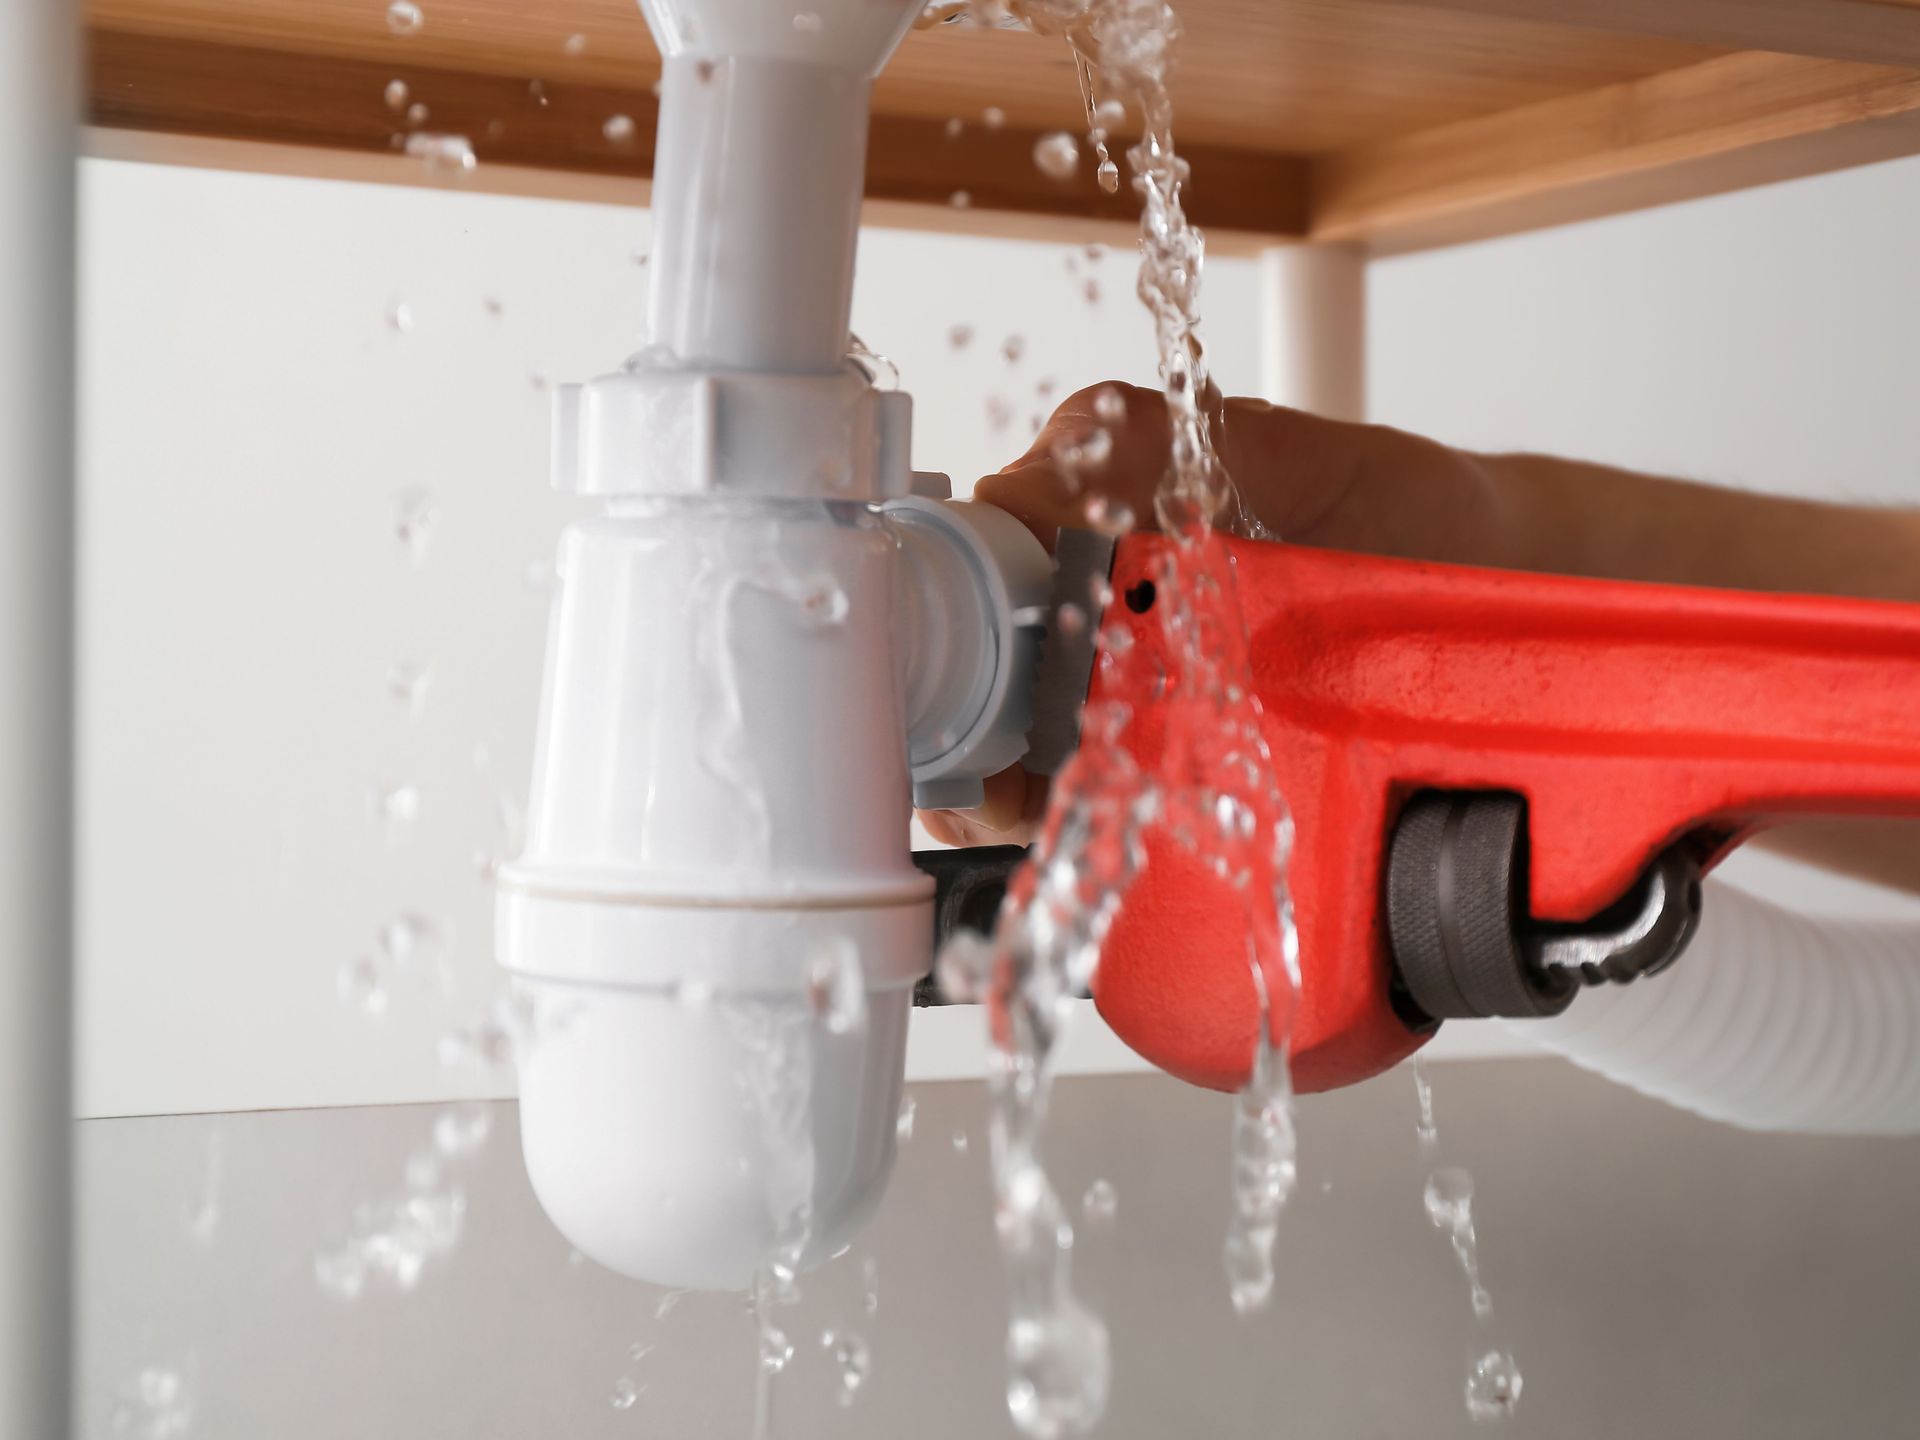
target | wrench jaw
[
  {"x": 1082, "y": 560},
  {"x": 1640, "y": 936},
  {"x": 1463, "y": 945}
]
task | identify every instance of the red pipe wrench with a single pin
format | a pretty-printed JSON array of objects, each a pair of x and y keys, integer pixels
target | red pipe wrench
[{"x": 1502, "y": 784}]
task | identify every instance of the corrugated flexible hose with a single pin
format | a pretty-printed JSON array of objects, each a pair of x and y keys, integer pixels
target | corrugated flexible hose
[{"x": 1769, "y": 1021}]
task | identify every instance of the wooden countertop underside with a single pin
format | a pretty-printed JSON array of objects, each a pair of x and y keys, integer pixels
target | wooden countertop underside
[{"x": 1395, "y": 124}]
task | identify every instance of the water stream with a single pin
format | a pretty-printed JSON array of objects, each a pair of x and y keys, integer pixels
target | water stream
[
  {"x": 1493, "y": 1378},
  {"x": 1214, "y": 793}
]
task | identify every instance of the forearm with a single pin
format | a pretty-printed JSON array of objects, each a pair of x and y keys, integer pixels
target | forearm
[
  {"x": 1588, "y": 520},
  {"x": 1581, "y": 519},
  {"x": 1373, "y": 488}
]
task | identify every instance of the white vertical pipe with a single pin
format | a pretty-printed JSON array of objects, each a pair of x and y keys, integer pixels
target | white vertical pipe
[
  {"x": 757, "y": 181},
  {"x": 1313, "y": 335},
  {"x": 38, "y": 53},
  {"x": 758, "y": 174}
]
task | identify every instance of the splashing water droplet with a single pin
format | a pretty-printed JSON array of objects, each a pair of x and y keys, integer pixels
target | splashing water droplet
[
  {"x": 1109, "y": 406},
  {"x": 955, "y": 128},
  {"x": 413, "y": 520},
  {"x": 1425, "y": 1131},
  {"x": 1265, "y": 1171},
  {"x": 461, "y": 1130},
  {"x": 417, "y": 114},
  {"x": 618, "y": 129},
  {"x": 903, "y": 1125},
  {"x": 340, "y": 1274},
  {"x": 1090, "y": 292},
  {"x": 1493, "y": 1387},
  {"x": 881, "y": 372},
  {"x": 453, "y": 1049},
  {"x": 424, "y": 1171},
  {"x": 399, "y": 317},
  {"x": 959, "y": 1142},
  {"x": 442, "y": 154},
  {"x": 1058, "y": 1372},
  {"x": 999, "y": 413},
  {"x": 870, "y": 1284},
  {"x": 203, "y": 1217},
  {"x": 664, "y": 1306},
  {"x": 360, "y": 987},
  {"x": 1012, "y": 348},
  {"x": 396, "y": 94},
  {"x": 1070, "y": 619},
  {"x": 1449, "y": 1198},
  {"x": 491, "y": 304},
  {"x": 1109, "y": 113},
  {"x": 625, "y": 1394},
  {"x": 404, "y": 17},
  {"x": 159, "y": 1387},
  {"x": 775, "y": 1349},
  {"x": 851, "y": 1359},
  {"x": 1109, "y": 516},
  {"x": 1057, "y": 156},
  {"x": 408, "y": 938},
  {"x": 639, "y": 1350},
  {"x": 993, "y": 117},
  {"x": 1100, "y": 1204},
  {"x": 808, "y": 23},
  {"x": 396, "y": 807},
  {"x": 574, "y": 45},
  {"x": 408, "y": 682},
  {"x": 1449, "y": 1202},
  {"x": 960, "y": 336},
  {"x": 836, "y": 986},
  {"x": 537, "y": 92},
  {"x": 1090, "y": 451},
  {"x": 1108, "y": 177},
  {"x": 960, "y": 199}
]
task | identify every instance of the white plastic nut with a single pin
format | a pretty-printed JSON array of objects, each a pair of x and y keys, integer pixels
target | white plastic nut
[
  {"x": 973, "y": 607},
  {"x": 670, "y": 431}
]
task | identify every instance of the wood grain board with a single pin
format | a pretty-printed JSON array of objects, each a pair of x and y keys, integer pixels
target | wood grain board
[{"x": 1389, "y": 123}]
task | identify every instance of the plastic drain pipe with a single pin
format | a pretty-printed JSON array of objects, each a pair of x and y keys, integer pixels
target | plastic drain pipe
[
  {"x": 751, "y": 671},
  {"x": 1770, "y": 1021}
]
